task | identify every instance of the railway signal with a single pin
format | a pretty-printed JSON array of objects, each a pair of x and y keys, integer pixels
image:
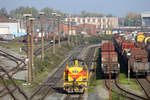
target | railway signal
[{"x": 42, "y": 39}]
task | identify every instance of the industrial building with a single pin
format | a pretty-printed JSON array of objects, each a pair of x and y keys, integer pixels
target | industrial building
[
  {"x": 100, "y": 22},
  {"x": 9, "y": 28},
  {"x": 146, "y": 19}
]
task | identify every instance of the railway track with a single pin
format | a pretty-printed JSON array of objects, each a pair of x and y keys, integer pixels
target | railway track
[
  {"x": 145, "y": 84},
  {"x": 115, "y": 87},
  {"x": 39, "y": 50},
  {"x": 8, "y": 74},
  {"x": 73, "y": 97},
  {"x": 148, "y": 79},
  {"x": 20, "y": 63},
  {"x": 88, "y": 59},
  {"x": 48, "y": 86},
  {"x": 13, "y": 92}
]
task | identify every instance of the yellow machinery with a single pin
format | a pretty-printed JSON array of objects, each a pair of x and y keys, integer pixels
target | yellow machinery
[
  {"x": 108, "y": 32},
  {"x": 76, "y": 77},
  {"x": 147, "y": 39},
  {"x": 140, "y": 38}
]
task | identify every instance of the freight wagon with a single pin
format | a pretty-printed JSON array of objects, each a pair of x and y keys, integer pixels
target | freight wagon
[
  {"x": 133, "y": 54},
  {"x": 109, "y": 59},
  {"x": 138, "y": 62}
]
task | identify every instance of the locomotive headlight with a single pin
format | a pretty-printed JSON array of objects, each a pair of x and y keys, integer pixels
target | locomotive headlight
[
  {"x": 67, "y": 85},
  {"x": 102, "y": 65},
  {"x": 129, "y": 54},
  {"x": 118, "y": 65},
  {"x": 84, "y": 79},
  {"x": 81, "y": 85}
]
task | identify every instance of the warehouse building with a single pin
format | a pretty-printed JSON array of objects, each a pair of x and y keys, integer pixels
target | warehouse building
[
  {"x": 145, "y": 19},
  {"x": 9, "y": 28}
]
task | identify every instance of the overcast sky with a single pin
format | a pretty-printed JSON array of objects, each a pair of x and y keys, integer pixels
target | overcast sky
[{"x": 115, "y": 7}]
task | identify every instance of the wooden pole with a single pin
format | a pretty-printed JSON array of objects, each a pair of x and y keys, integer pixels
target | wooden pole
[
  {"x": 128, "y": 72},
  {"x": 59, "y": 45},
  {"x": 28, "y": 48},
  {"x": 32, "y": 44},
  {"x": 68, "y": 31},
  {"x": 109, "y": 67},
  {"x": 42, "y": 33},
  {"x": 54, "y": 35}
]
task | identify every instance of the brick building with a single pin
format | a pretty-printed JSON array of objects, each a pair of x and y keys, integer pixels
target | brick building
[{"x": 100, "y": 22}]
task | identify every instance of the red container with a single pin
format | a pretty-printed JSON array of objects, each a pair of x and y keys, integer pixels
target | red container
[
  {"x": 107, "y": 46},
  {"x": 138, "y": 53},
  {"x": 113, "y": 56},
  {"x": 127, "y": 45}
]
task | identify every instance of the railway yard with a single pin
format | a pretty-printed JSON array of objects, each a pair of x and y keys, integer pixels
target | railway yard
[
  {"x": 124, "y": 84},
  {"x": 49, "y": 54}
]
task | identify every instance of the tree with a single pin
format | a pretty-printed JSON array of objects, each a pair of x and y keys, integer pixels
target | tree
[
  {"x": 89, "y": 14},
  {"x": 19, "y": 12},
  {"x": 34, "y": 12},
  {"x": 121, "y": 21},
  {"x": 109, "y": 15},
  {"x": 48, "y": 11},
  {"x": 132, "y": 19},
  {"x": 3, "y": 11}
]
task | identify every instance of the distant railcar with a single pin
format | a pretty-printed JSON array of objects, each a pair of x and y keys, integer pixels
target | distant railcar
[
  {"x": 109, "y": 57},
  {"x": 138, "y": 62},
  {"x": 126, "y": 50}
]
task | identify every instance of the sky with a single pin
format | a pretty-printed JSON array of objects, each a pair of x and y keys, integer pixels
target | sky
[{"x": 115, "y": 7}]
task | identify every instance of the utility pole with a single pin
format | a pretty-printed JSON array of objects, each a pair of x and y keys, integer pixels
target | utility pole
[
  {"x": 42, "y": 39},
  {"x": 109, "y": 68},
  {"x": 71, "y": 31},
  {"x": 32, "y": 44},
  {"x": 76, "y": 37},
  {"x": 54, "y": 15},
  {"x": 68, "y": 30},
  {"x": 58, "y": 19},
  {"x": 28, "y": 48}
]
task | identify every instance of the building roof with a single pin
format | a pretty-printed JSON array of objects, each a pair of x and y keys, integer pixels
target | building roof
[
  {"x": 6, "y": 19},
  {"x": 146, "y": 14}
]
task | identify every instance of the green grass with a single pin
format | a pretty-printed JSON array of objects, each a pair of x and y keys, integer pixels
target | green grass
[
  {"x": 39, "y": 78},
  {"x": 133, "y": 84},
  {"x": 117, "y": 96},
  {"x": 9, "y": 82},
  {"x": 92, "y": 85},
  {"x": 13, "y": 44},
  {"x": 51, "y": 61},
  {"x": 123, "y": 79}
]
